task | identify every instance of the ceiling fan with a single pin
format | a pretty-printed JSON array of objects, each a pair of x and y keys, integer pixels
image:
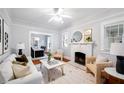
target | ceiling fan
[{"x": 58, "y": 15}]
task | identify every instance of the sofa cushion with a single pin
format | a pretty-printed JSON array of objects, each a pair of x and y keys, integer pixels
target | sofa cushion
[
  {"x": 6, "y": 72},
  {"x": 20, "y": 71},
  {"x": 10, "y": 58}
]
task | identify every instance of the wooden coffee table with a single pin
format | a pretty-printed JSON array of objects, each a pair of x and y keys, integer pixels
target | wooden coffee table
[{"x": 53, "y": 64}]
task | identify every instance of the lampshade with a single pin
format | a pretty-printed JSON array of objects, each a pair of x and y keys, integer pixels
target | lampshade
[
  {"x": 117, "y": 49},
  {"x": 20, "y": 46}
]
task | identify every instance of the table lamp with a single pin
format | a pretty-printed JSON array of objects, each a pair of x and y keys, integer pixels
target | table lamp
[
  {"x": 118, "y": 50},
  {"x": 20, "y": 47}
]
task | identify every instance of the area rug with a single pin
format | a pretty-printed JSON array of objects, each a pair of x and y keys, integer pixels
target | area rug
[
  {"x": 72, "y": 75},
  {"x": 35, "y": 62}
]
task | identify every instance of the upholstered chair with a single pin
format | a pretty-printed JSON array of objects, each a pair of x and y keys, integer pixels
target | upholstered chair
[{"x": 96, "y": 67}]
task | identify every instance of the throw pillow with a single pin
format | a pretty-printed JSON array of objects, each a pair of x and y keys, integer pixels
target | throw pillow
[
  {"x": 18, "y": 59},
  {"x": 20, "y": 63},
  {"x": 23, "y": 58},
  {"x": 20, "y": 71},
  {"x": 6, "y": 72}
]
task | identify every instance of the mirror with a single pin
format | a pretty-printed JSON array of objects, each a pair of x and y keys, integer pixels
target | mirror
[
  {"x": 77, "y": 36},
  {"x": 88, "y": 35}
]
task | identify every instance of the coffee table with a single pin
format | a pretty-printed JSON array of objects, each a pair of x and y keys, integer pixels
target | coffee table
[{"x": 52, "y": 64}]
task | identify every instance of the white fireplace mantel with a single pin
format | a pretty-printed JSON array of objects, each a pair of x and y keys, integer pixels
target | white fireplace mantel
[
  {"x": 86, "y": 48},
  {"x": 85, "y": 43}
]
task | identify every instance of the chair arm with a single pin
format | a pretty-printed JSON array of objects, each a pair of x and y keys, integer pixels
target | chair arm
[
  {"x": 34, "y": 78},
  {"x": 102, "y": 65},
  {"x": 90, "y": 59},
  {"x": 99, "y": 67}
]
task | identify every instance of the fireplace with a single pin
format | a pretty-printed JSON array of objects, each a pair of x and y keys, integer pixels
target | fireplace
[{"x": 80, "y": 58}]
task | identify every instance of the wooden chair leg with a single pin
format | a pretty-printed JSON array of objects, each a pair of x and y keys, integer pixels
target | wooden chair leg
[{"x": 97, "y": 79}]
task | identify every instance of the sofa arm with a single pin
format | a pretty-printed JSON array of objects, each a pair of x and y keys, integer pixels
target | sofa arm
[
  {"x": 90, "y": 59},
  {"x": 34, "y": 78}
]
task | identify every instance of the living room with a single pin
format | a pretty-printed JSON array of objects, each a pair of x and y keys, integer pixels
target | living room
[{"x": 78, "y": 38}]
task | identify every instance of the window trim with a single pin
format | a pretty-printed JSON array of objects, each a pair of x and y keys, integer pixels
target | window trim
[{"x": 107, "y": 23}]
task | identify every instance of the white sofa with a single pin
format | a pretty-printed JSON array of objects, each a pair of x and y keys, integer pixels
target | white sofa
[{"x": 34, "y": 78}]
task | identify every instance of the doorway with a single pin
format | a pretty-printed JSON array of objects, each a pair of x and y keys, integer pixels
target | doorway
[{"x": 40, "y": 43}]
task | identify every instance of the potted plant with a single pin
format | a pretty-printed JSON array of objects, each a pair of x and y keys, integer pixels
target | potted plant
[
  {"x": 49, "y": 56},
  {"x": 88, "y": 39}
]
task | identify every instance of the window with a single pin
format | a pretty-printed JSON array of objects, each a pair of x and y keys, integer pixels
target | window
[
  {"x": 48, "y": 43},
  {"x": 113, "y": 34},
  {"x": 65, "y": 39}
]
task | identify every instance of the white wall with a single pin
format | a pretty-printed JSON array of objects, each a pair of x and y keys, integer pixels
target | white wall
[
  {"x": 5, "y": 16},
  {"x": 20, "y": 33},
  {"x": 42, "y": 39},
  {"x": 96, "y": 31}
]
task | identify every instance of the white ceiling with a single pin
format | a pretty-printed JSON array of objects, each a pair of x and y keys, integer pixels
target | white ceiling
[{"x": 39, "y": 16}]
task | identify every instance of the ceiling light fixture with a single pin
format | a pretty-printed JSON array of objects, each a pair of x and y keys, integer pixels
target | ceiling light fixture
[{"x": 58, "y": 16}]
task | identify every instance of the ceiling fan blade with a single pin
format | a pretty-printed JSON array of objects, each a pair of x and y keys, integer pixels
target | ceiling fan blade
[
  {"x": 66, "y": 16},
  {"x": 51, "y": 19}
]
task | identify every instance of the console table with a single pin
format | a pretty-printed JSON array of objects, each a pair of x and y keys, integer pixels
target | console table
[
  {"x": 37, "y": 52},
  {"x": 113, "y": 77}
]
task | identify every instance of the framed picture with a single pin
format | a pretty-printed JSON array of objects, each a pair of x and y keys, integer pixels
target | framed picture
[
  {"x": 1, "y": 37},
  {"x": 88, "y": 35},
  {"x": 6, "y": 37}
]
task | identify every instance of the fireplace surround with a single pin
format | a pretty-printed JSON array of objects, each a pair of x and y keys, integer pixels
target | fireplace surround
[{"x": 80, "y": 58}]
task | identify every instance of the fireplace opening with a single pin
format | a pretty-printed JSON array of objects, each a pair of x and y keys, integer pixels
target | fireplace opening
[{"x": 80, "y": 58}]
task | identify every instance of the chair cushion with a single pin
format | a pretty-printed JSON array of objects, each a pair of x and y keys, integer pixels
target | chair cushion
[
  {"x": 92, "y": 68},
  {"x": 20, "y": 71},
  {"x": 6, "y": 72},
  {"x": 100, "y": 59}
]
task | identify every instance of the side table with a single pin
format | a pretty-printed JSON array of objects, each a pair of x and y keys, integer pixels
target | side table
[{"x": 113, "y": 77}]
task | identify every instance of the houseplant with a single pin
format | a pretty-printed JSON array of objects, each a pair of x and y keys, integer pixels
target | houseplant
[{"x": 49, "y": 56}]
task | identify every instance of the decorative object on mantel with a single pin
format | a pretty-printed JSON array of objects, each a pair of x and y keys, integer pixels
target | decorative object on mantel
[
  {"x": 84, "y": 43},
  {"x": 20, "y": 47},
  {"x": 77, "y": 36},
  {"x": 88, "y": 35},
  {"x": 118, "y": 49}
]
